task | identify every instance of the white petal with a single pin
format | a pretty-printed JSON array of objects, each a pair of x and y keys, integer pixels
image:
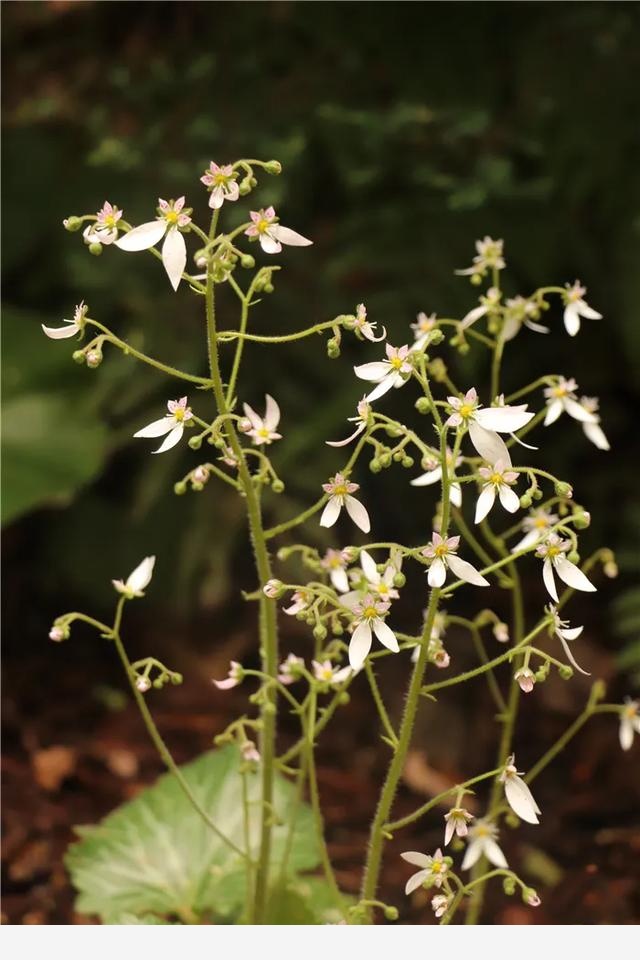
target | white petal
[
  {"x": 485, "y": 502},
  {"x": 503, "y": 419},
  {"x": 385, "y": 635},
  {"x": 61, "y": 333},
  {"x": 455, "y": 494},
  {"x": 290, "y": 237},
  {"x": 472, "y": 855},
  {"x": 521, "y": 800},
  {"x": 572, "y": 575},
  {"x": 142, "y": 574},
  {"x": 416, "y": 881},
  {"x": 472, "y": 316},
  {"x": 508, "y": 498},
  {"x": 143, "y": 237},
  {"x": 269, "y": 244},
  {"x": 466, "y": 571},
  {"x": 340, "y": 580},
  {"x": 171, "y": 439},
  {"x": 529, "y": 539},
  {"x": 331, "y": 512},
  {"x": 489, "y": 445},
  {"x": 417, "y": 859},
  {"x": 358, "y": 513},
  {"x": 368, "y": 565},
  {"x": 554, "y": 410},
  {"x": 372, "y": 371},
  {"x": 343, "y": 443},
  {"x": 272, "y": 414},
  {"x": 549, "y": 581},
  {"x": 359, "y": 645},
  {"x": 563, "y": 636},
  {"x": 596, "y": 434},
  {"x": 174, "y": 256},
  {"x": 253, "y": 418},
  {"x": 449, "y": 831},
  {"x": 437, "y": 573},
  {"x": 494, "y": 854},
  {"x": 383, "y": 387},
  {"x": 157, "y": 429},
  {"x": 626, "y": 734},
  {"x": 351, "y": 600},
  {"x": 588, "y": 312},
  {"x": 426, "y": 479},
  {"x": 578, "y": 412},
  {"x": 572, "y": 634},
  {"x": 571, "y": 319}
]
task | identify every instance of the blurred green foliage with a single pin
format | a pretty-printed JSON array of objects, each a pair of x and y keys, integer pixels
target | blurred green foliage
[{"x": 406, "y": 131}]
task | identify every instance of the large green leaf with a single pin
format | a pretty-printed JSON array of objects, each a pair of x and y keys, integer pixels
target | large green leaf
[{"x": 155, "y": 855}]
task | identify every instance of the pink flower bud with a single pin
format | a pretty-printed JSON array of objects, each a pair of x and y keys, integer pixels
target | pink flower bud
[{"x": 56, "y": 634}]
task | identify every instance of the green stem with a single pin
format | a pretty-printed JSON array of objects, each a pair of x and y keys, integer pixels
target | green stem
[{"x": 128, "y": 350}]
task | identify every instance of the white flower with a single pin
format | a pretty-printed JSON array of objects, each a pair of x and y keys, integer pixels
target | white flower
[
  {"x": 552, "y": 551},
  {"x": 221, "y": 182},
  {"x": 434, "y": 475},
  {"x": 233, "y": 678},
  {"x": 525, "y": 678},
  {"x": 519, "y": 312},
  {"x": 497, "y": 480},
  {"x": 340, "y": 491},
  {"x": 364, "y": 327},
  {"x": 518, "y": 795},
  {"x": 485, "y": 425},
  {"x": 482, "y": 842},
  {"x": 172, "y": 424},
  {"x": 593, "y": 430},
  {"x": 433, "y": 869},
  {"x": 105, "y": 229},
  {"x": 249, "y": 752},
  {"x": 537, "y": 525},
  {"x": 325, "y": 672},
  {"x": 442, "y": 553},
  {"x": 488, "y": 304},
  {"x": 629, "y": 722},
  {"x": 289, "y": 669},
  {"x": 562, "y": 398},
  {"x": 488, "y": 257},
  {"x": 167, "y": 225},
  {"x": 361, "y": 421},
  {"x": 369, "y": 615},
  {"x": 392, "y": 372},
  {"x": 576, "y": 307},
  {"x": 457, "y": 820},
  {"x": 137, "y": 581},
  {"x": 72, "y": 326},
  {"x": 267, "y": 230},
  {"x": 380, "y": 584},
  {"x": 422, "y": 328},
  {"x": 335, "y": 562},
  {"x": 440, "y": 904},
  {"x": 263, "y": 429},
  {"x": 299, "y": 602},
  {"x": 565, "y": 633}
]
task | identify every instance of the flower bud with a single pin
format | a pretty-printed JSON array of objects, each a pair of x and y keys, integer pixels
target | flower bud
[
  {"x": 501, "y": 632},
  {"x": 391, "y": 913},
  {"x": 93, "y": 358},
  {"x": 273, "y": 589},
  {"x": 436, "y": 336},
  {"x": 72, "y": 224},
  {"x": 343, "y": 698},
  {"x": 244, "y": 425},
  {"x": 565, "y": 671},
  {"x": 269, "y": 709},
  {"x": 245, "y": 187},
  {"x": 176, "y": 678},
  {"x": 407, "y": 462},
  {"x": 277, "y": 486},
  {"x": 78, "y": 356},
  {"x": 610, "y": 569},
  {"x": 581, "y": 520},
  {"x": 333, "y": 348},
  {"x": 274, "y": 167},
  {"x": 95, "y": 249},
  {"x": 385, "y": 460},
  {"x": 573, "y": 556},
  {"x": 422, "y": 405},
  {"x": 564, "y": 490},
  {"x": 143, "y": 684},
  {"x": 200, "y": 475},
  {"x": 542, "y": 672},
  {"x": 509, "y": 886},
  {"x": 525, "y": 678},
  {"x": 399, "y": 579},
  {"x": 320, "y": 631},
  {"x": 537, "y": 494},
  {"x": 58, "y": 633},
  {"x": 247, "y": 261},
  {"x": 525, "y": 501},
  {"x": 375, "y": 466},
  {"x": 530, "y": 897},
  {"x": 476, "y": 279},
  {"x": 180, "y": 487},
  {"x": 195, "y": 442}
]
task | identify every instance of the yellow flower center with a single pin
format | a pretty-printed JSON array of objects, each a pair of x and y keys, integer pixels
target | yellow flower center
[
  {"x": 383, "y": 589},
  {"x": 340, "y": 490},
  {"x": 179, "y": 414},
  {"x": 441, "y": 550},
  {"x": 496, "y": 478},
  {"x": 541, "y": 523},
  {"x": 436, "y": 866},
  {"x": 553, "y": 552},
  {"x": 630, "y": 711},
  {"x": 171, "y": 216},
  {"x": 262, "y": 225},
  {"x": 263, "y": 432},
  {"x": 466, "y": 410},
  {"x": 219, "y": 179},
  {"x": 396, "y": 362},
  {"x": 559, "y": 391},
  {"x": 110, "y": 221},
  {"x": 369, "y": 613}
]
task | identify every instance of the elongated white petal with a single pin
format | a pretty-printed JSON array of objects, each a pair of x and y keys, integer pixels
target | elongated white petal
[
  {"x": 385, "y": 635},
  {"x": 503, "y": 419},
  {"x": 61, "y": 333},
  {"x": 142, "y": 237},
  {"x": 359, "y": 645},
  {"x": 386, "y": 384},
  {"x": 289, "y": 237},
  {"x": 343, "y": 443},
  {"x": 529, "y": 540},
  {"x": 272, "y": 414},
  {"x": 252, "y": 417},
  {"x": 426, "y": 479},
  {"x": 572, "y": 633},
  {"x": 595, "y": 433},
  {"x": 331, "y": 512},
  {"x": 472, "y": 316},
  {"x": 449, "y": 831},
  {"x": 536, "y": 327},
  {"x": 554, "y": 410},
  {"x": 157, "y": 429},
  {"x": 437, "y": 573},
  {"x": 372, "y": 371},
  {"x": 578, "y": 412},
  {"x": 417, "y": 859},
  {"x": 521, "y": 443},
  {"x": 472, "y": 854},
  {"x": 141, "y": 576},
  {"x": 626, "y": 733},
  {"x": 494, "y": 854},
  {"x": 520, "y": 799},
  {"x": 489, "y": 445},
  {"x": 563, "y": 636},
  {"x": 368, "y": 565},
  {"x": 549, "y": 580},
  {"x": 415, "y": 881},
  {"x": 358, "y": 513},
  {"x": 572, "y": 575},
  {"x": 174, "y": 256},
  {"x": 171, "y": 439},
  {"x": 572, "y": 319},
  {"x": 588, "y": 312},
  {"x": 485, "y": 502},
  {"x": 351, "y": 600},
  {"x": 508, "y": 498},
  {"x": 269, "y": 244},
  {"x": 455, "y": 494},
  {"x": 466, "y": 571},
  {"x": 340, "y": 580}
]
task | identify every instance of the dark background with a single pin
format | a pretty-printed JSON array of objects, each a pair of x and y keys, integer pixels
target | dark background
[{"x": 406, "y": 131}]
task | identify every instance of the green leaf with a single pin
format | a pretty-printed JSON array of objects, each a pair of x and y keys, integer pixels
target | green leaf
[
  {"x": 155, "y": 855},
  {"x": 306, "y": 901}
]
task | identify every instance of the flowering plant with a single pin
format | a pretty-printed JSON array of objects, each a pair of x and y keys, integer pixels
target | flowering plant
[{"x": 347, "y": 596}]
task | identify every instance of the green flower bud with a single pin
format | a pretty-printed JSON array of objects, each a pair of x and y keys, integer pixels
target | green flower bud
[
  {"x": 407, "y": 462},
  {"x": 180, "y": 487},
  {"x": 320, "y": 631},
  {"x": 176, "y": 678},
  {"x": 95, "y": 249},
  {"x": 525, "y": 501},
  {"x": 195, "y": 442},
  {"x": 573, "y": 556},
  {"x": 374, "y": 465},
  {"x": 197, "y": 486},
  {"x": 343, "y": 698},
  {"x": 564, "y": 490},
  {"x": 269, "y": 709},
  {"x": 78, "y": 356},
  {"x": 268, "y": 287},
  {"x": 277, "y": 486},
  {"x": 436, "y": 336},
  {"x": 476, "y": 279},
  {"x": 399, "y": 580},
  {"x": 385, "y": 460},
  {"x": 582, "y": 520},
  {"x": 565, "y": 671},
  {"x": 247, "y": 261},
  {"x": 422, "y": 405},
  {"x": 94, "y": 358},
  {"x": 537, "y": 494},
  {"x": 463, "y": 348},
  {"x": 333, "y": 348},
  {"x": 509, "y": 886},
  {"x": 72, "y": 224},
  {"x": 338, "y": 629},
  {"x": 398, "y": 456},
  {"x": 391, "y": 913},
  {"x": 274, "y": 167}
]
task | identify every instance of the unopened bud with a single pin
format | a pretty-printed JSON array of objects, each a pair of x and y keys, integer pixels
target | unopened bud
[
  {"x": 610, "y": 569},
  {"x": 277, "y": 486},
  {"x": 180, "y": 487},
  {"x": 525, "y": 501},
  {"x": 501, "y": 632},
  {"x": 391, "y": 913},
  {"x": 78, "y": 356},
  {"x": 94, "y": 358},
  {"x": 525, "y": 679},
  {"x": 565, "y": 671},
  {"x": 581, "y": 520},
  {"x": 530, "y": 897},
  {"x": 95, "y": 249},
  {"x": 320, "y": 631},
  {"x": 564, "y": 489},
  {"x": 573, "y": 557},
  {"x": 57, "y": 634},
  {"x": 72, "y": 224},
  {"x": 399, "y": 579},
  {"x": 247, "y": 261},
  {"x": 143, "y": 684},
  {"x": 375, "y": 466},
  {"x": 509, "y": 886},
  {"x": 244, "y": 425},
  {"x": 195, "y": 442},
  {"x": 333, "y": 348},
  {"x": 274, "y": 167},
  {"x": 201, "y": 474},
  {"x": 273, "y": 589},
  {"x": 422, "y": 405}
]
